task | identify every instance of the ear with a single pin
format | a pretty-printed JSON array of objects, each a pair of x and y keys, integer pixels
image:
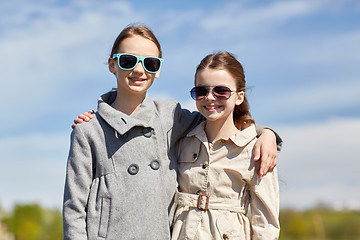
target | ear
[
  {"x": 112, "y": 65},
  {"x": 157, "y": 75},
  {"x": 240, "y": 98}
]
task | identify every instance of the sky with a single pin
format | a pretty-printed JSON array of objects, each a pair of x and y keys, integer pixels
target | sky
[{"x": 301, "y": 61}]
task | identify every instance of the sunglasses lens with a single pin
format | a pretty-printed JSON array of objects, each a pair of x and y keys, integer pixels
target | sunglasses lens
[
  {"x": 127, "y": 61},
  {"x": 222, "y": 92},
  {"x": 152, "y": 64},
  {"x": 198, "y": 92}
]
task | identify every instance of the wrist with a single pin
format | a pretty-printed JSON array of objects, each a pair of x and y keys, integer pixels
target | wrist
[{"x": 268, "y": 131}]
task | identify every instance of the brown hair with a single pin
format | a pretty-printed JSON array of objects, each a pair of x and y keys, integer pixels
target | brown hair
[
  {"x": 132, "y": 30},
  {"x": 226, "y": 61}
]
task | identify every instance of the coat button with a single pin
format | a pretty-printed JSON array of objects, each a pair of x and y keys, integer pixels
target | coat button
[
  {"x": 133, "y": 169},
  {"x": 205, "y": 165},
  {"x": 225, "y": 236},
  {"x": 155, "y": 164},
  {"x": 195, "y": 156},
  {"x": 147, "y": 132}
]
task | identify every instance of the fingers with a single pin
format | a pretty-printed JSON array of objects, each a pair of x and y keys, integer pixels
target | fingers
[
  {"x": 264, "y": 166},
  {"x": 256, "y": 151},
  {"x": 78, "y": 120},
  {"x": 86, "y": 116},
  {"x": 265, "y": 149},
  {"x": 268, "y": 163},
  {"x": 274, "y": 162}
]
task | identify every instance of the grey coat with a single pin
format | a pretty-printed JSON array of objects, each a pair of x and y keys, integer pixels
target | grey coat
[{"x": 121, "y": 178}]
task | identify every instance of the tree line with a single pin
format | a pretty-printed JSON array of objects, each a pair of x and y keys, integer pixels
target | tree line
[{"x": 33, "y": 222}]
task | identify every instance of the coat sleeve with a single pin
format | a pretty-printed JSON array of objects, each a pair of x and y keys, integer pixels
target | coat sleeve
[
  {"x": 184, "y": 122},
  {"x": 77, "y": 187},
  {"x": 264, "y": 203}
]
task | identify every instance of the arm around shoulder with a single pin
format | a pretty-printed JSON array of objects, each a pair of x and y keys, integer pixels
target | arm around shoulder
[{"x": 259, "y": 130}]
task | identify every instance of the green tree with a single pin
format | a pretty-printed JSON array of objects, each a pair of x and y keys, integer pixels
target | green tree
[{"x": 32, "y": 222}]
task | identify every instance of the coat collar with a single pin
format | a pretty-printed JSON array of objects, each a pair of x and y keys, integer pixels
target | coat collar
[
  {"x": 119, "y": 120},
  {"x": 244, "y": 136},
  {"x": 241, "y": 138}
]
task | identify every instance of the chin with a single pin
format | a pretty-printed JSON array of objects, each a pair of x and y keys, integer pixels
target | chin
[{"x": 210, "y": 117}]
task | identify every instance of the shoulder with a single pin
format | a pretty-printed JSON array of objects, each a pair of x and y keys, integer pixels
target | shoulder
[
  {"x": 166, "y": 105},
  {"x": 89, "y": 129}
]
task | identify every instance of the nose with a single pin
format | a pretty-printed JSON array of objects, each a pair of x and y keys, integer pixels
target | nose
[
  {"x": 139, "y": 67},
  {"x": 210, "y": 96}
]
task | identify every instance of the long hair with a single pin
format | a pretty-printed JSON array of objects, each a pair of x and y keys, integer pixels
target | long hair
[
  {"x": 132, "y": 30},
  {"x": 226, "y": 61}
]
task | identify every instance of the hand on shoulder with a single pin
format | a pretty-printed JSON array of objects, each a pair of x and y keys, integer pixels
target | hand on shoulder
[
  {"x": 86, "y": 116},
  {"x": 265, "y": 150}
]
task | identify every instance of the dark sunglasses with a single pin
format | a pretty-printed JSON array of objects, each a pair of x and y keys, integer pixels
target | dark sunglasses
[
  {"x": 129, "y": 61},
  {"x": 220, "y": 92}
]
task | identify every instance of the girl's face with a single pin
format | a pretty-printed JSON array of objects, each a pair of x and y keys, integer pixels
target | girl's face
[
  {"x": 136, "y": 81},
  {"x": 212, "y": 108}
]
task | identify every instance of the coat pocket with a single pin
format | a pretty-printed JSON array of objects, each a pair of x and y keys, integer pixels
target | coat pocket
[
  {"x": 189, "y": 150},
  {"x": 104, "y": 216},
  {"x": 229, "y": 227}
]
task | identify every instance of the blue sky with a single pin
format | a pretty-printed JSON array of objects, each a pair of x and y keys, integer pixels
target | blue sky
[{"x": 301, "y": 60}]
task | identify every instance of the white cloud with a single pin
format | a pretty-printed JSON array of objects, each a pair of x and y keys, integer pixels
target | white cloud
[
  {"x": 237, "y": 16},
  {"x": 319, "y": 97},
  {"x": 319, "y": 162},
  {"x": 338, "y": 196},
  {"x": 335, "y": 48},
  {"x": 33, "y": 169}
]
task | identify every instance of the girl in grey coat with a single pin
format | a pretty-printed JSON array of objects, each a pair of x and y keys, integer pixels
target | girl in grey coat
[{"x": 121, "y": 175}]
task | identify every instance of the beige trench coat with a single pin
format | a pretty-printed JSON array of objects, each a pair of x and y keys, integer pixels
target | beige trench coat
[{"x": 217, "y": 183}]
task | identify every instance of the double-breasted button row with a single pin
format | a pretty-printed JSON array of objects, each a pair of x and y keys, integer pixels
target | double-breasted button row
[
  {"x": 155, "y": 164},
  {"x": 147, "y": 132},
  {"x": 133, "y": 169}
]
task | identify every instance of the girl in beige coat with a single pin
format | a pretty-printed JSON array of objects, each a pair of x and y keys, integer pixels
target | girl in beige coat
[{"x": 216, "y": 174}]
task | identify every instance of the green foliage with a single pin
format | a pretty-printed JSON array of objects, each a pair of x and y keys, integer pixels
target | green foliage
[
  {"x": 319, "y": 224},
  {"x": 32, "y": 222}
]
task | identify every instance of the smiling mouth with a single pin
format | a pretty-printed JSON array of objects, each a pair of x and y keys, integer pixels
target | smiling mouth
[
  {"x": 212, "y": 107},
  {"x": 137, "y": 79}
]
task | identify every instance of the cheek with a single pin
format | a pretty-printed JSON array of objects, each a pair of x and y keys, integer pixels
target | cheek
[
  {"x": 120, "y": 74},
  {"x": 151, "y": 77},
  {"x": 230, "y": 105},
  {"x": 198, "y": 105}
]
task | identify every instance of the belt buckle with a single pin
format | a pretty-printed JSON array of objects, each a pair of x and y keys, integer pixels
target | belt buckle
[{"x": 201, "y": 195}]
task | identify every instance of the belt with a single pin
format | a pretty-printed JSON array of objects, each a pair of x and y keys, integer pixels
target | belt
[{"x": 204, "y": 202}]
